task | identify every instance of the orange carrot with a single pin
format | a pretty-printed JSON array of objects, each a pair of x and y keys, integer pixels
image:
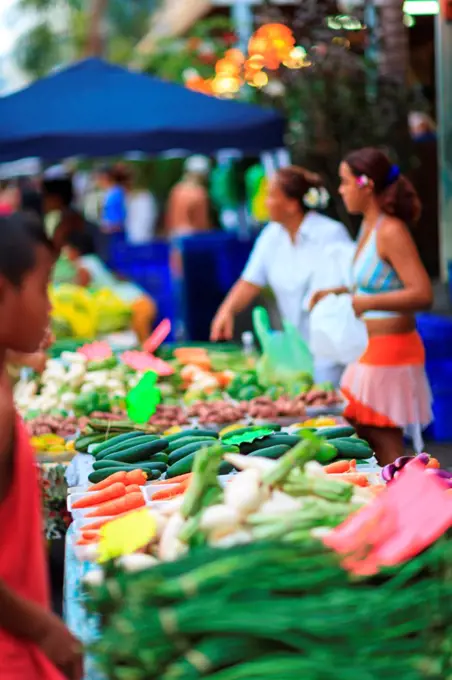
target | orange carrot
[
  {"x": 130, "y": 501},
  {"x": 338, "y": 467},
  {"x": 120, "y": 476},
  {"x": 91, "y": 499},
  {"x": 136, "y": 477},
  {"x": 353, "y": 478},
  {"x": 86, "y": 541},
  {"x": 174, "y": 480},
  {"x": 433, "y": 463},
  {"x": 98, "y": 524},
  {"x": 166, "y": 494},
  {"x": 133, "y": 488},
  {"x": 90, "y": 535}
]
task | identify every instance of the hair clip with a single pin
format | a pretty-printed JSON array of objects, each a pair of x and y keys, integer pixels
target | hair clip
[
  {"x": 393, "y": 175},
  {"x": 362, "y": 181},
  {"x": 316, "y": 198}
]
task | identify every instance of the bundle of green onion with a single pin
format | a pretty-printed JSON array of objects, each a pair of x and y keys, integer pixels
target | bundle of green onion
[{"x": 275, "y": 611}]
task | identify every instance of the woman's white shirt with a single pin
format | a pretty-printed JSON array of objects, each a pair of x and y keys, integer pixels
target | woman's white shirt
[
  {"x": 141, "y": 219},
  {"x": 293, "y": 270}
]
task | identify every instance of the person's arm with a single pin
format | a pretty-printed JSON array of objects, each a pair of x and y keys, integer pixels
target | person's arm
[
  {"x": 320, "y": 294},
  {"x": 396, "y": 246},
  {"x": 203, "y": 210},
  {"x": 83, "y": 277},
  {"x": 26, "y": 620},
  {"x": 238, "y": 299}
]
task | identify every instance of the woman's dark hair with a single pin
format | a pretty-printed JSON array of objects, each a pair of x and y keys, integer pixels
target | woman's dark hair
[
  {"x": 31, "y": 202},
  {"x": 117, "y": 174},
  {"x": 20, "y": 234},
  {"x": 396, "y": 195},
  {"x": 61, "y": 188},
  {"x": 295, "y": 183}
]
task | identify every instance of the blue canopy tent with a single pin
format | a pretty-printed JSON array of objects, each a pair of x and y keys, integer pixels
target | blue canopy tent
[{"x": 94, "y": 108}]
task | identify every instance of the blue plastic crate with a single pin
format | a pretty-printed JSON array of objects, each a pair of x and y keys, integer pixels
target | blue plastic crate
[
  {"x": 441, "y": 428},
  {"x": 436, "y": 333},
  {"x": 211, "y": 264}
]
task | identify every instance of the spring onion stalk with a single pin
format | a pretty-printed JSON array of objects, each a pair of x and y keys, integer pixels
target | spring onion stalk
[
  {"x": 301, "y": 453},
  {"x": 268, "y": 611},
  {"x": 205, "y": 471},
  {"x": 329, "y": 489}
]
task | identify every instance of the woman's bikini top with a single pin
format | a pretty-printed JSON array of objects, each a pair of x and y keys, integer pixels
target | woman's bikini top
[{"x": 372, "y": 275}]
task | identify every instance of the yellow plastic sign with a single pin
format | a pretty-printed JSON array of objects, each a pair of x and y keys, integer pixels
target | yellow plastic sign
[{"x": 126, "y": 535}]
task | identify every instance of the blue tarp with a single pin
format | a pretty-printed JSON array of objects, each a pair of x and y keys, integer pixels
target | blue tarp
[{"x": 93, "y": 108}]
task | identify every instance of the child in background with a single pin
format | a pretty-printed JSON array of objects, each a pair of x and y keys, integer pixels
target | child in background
[
  {"x": 83, "y": 269},
  {"x": 34, "y": 643}
]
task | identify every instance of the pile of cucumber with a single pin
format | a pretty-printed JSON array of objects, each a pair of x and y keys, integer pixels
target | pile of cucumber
[
  {"x": 175, "y": 454},
  {"x": 341, "y": 443}
]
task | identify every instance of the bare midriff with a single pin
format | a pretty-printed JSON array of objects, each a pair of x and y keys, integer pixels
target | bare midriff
[{"x": 397, "y": 325}]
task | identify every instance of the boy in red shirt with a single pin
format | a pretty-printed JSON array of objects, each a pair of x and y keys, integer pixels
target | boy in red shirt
[{"x": 34, "y": 643}]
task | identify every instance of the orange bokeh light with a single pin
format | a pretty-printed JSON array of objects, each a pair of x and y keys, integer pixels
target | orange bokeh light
[
  {"x": 273, "y": 42},
  {"x": 227, "y": 67}
]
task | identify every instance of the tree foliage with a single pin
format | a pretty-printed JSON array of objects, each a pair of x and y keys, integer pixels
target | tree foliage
[{"x": 46, "y": 45}]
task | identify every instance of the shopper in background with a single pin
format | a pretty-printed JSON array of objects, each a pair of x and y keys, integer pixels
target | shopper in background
[
  {"x": 288, "y": 256},
  {"x": 34, "y": 643},
  {"x": 188, "y": 207},
  {"x": 422, "y": 127},
  {"x": 83, "y": 268},
  {"x": 142, "y": 212},
  {"x": 387, "y": 389},
  {"x": 9, "y": 198},
  {"x": 112, "y": 181}
]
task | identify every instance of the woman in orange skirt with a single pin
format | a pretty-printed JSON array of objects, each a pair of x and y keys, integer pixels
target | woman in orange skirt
[{"x": 387, "y": 389}]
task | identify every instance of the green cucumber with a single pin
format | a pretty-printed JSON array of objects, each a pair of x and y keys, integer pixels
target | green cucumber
[
  {"x": 185, "y": 465},
  {"x": 273, "y": 452},
  {"x": 113, "y": 441},
  {"x": 82, "y": 444},
  {"x": 142, "y": 451},
  {"x": 272, "y": 440},
  {"x": 179, "y": 443},
  {"x": 350, "y": 448},
  {"x": 339, "y": 432},
  {"x": 128, "y": 444},
  {"x": 188, "y": 449},
  {"x": 105, "y": 463},
  {"x": 327, "y": 452},
  {"x": 191, "y": 433}
]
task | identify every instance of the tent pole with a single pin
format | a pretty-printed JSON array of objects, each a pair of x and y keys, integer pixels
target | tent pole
[{"x": 243, "y": 20}]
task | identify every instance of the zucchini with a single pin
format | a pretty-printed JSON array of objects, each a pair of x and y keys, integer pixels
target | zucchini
[
  {"x": 117, "y": 439},
  {"x": 191, "y": 433},
  {"x": 273, "y": 452},
  {"x": 272, "y": 440},
  {"x": 127, "y": 444},
  {"x": 351, "y": 448},
  {"x": 179, "y": 443},
  {"x": 188, "y": 449},
  {"x": 341, "y": 431},
  {"x": 140, "y": 452}
]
